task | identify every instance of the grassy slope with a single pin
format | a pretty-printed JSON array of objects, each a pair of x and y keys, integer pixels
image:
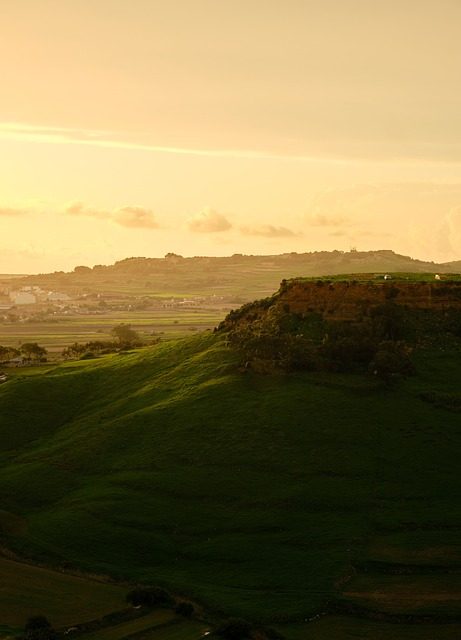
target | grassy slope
[
  {"x": 28, "y": 591},
  {"x": 254, "y": 494},
  {"x": 157, "y": 618}
]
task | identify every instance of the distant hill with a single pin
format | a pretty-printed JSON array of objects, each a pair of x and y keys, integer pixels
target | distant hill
[{"x": 245, "y": 277}]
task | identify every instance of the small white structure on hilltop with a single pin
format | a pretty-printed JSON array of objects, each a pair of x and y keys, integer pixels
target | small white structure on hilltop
[
  {"x": 437, "y": 277},
  {"x": 22, "y": 297}
]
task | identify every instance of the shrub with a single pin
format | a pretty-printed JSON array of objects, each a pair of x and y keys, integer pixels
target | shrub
[
  {"x": 391, "y": 359},
  {"x": 39, "y": 628},
  {"x": 388, "y": 321},
  {"x": 273, "y": 634},
  {"x": 37, "y": 622},
  {"x": 89, "y": 355},
  {"x": 185, "y": 609},
  {"x": 149, "y": 597},
  {"x": 234, "y": 629},
  {"x": 346, "y": 353}
]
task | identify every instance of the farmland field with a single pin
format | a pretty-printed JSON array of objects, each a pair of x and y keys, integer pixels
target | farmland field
[
  {"x": 65, "y": 330},
  {"x": 350, "y": 628},
  {"x": 148, "y": 622},
  {"x": 27, "y": 590},
  {"x": 181, "y": 630}
]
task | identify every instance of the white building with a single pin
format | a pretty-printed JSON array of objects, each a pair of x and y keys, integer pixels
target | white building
[{"x": 23, "y": 297}]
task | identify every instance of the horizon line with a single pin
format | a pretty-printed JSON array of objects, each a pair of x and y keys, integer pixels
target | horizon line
[{"x": 249, "y": 255}]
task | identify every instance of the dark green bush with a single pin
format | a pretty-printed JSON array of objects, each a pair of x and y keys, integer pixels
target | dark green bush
[
  {"x": 39, "y": 628},
  {"x": 234, "y": 629},
  {"x": 185, "y": 609},
  {"x": 149, "y": 597}
]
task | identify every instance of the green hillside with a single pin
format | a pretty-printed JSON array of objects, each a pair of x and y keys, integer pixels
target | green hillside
[{"x": 269, "y": 497}]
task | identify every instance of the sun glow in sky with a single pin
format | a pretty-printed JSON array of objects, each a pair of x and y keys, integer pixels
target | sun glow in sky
[{"x": 204, "y": 127}]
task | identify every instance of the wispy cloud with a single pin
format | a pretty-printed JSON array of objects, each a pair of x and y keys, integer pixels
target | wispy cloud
[
  {"x": 326, "y": 220},
  {"x": 129, "y": 216},
  {"x": 268, "y": 231},
  {"x": 56, "y": 135},
  {"x": 136, "y": 217},
  {"x": 12, "y": 211},
  {"x": 424, "y": 217},
  {"x": 450, "y": 231},
  {"x": 208, "y": 221},
  {"x": 80, "y": 209},
  {"x": 24, "y": 132}
]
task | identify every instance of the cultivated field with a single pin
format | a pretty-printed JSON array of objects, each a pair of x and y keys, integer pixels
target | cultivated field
[
  {"x": 28, "y": 590},
  {"x": 62, "y": 331}
]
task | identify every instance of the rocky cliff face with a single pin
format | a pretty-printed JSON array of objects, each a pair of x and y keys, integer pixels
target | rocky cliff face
[
  {"x": 354, "y": 300},
  {"x": 349, "y": 301}
]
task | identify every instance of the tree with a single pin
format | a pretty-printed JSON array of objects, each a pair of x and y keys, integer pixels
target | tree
[
  {"x": 391, "y": 359},
  {"x": 33, "y": 351},
  {"x": 79, "y": 350},
  {"x": 126, "y": 335},
  {"x": 234, "y": 629},
  {"x": 7, "y": 353},
  {"x": 149, "y": 597},
  {"x": 74, "y": 350},
  {"x": 39, "y": 628},
  {"x": 185, "y": 609},
  {"x": 388, "y": 321}
]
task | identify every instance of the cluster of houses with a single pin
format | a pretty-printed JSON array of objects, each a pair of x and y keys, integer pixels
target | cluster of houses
[{"x": 29, "y": 295}]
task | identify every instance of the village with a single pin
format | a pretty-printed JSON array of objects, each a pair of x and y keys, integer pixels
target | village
[
  {"x": 33, "y": 303},
  {"x": 38, "y": 324}
]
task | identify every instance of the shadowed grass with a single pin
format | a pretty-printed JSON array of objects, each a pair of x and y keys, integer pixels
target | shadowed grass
[{"x": 254, "y": 494}]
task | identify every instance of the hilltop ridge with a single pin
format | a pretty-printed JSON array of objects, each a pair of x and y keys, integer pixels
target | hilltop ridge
[
  {"x": 246, "y": 276},
  {"x": 354, "y": 298}
]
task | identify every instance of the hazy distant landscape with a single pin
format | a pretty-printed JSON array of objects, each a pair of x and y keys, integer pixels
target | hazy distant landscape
[{"x": 167, "y": 297}]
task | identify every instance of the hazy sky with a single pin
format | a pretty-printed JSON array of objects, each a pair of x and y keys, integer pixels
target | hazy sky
[{"x": 138, "y": 127}]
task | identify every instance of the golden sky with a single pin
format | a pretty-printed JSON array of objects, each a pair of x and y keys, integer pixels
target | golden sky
[{"x": 138, "y": 127}]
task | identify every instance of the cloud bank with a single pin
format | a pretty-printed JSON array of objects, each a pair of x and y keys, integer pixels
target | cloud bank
[
  {"x": 268, "y": 231},
  {"x": 133, "y": 217},
  {"x": 12, "y": 211},
  {"x": 208, "y": 221},
  {"x": 328, "y": 220},
  {"x": 424, "y": 217},
  {"x": 136, "y": 217}
]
